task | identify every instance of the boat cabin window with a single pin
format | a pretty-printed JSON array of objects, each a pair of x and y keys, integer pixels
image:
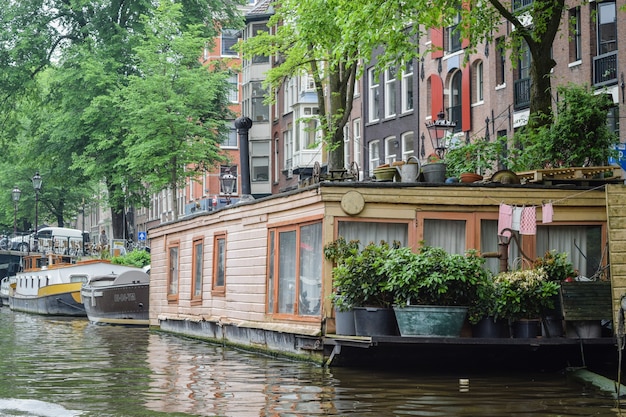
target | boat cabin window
[
  {"x": 295, "y": 270},
  {"x": 370, "y": 231},
  {"x": 79, "y": 278}
]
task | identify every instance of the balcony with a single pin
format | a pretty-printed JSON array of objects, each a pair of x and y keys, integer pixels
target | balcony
[
  {"x": 521, "y": 93},
  {"x": 605, "y": 69}
]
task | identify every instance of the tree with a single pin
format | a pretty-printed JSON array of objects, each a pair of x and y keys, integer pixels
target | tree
[
  {"x": 397, "y": 26},
  {"x": 89, "y": 45},
  {"x": 306, "y": 39},
  {"x": 176, "y": 109}
]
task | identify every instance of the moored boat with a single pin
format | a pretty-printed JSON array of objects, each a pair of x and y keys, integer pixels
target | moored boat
[
  {"x": 118, "y": 298},
  {"x": 51, "y": 284}
]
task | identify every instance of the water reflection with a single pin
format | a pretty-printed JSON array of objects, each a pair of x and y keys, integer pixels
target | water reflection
[{"x": 68, "y": 367}]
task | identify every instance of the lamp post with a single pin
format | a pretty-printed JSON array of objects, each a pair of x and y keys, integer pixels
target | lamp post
[
  {"x": 440, "y": 132},
  {"x": 37, "y": 186},
  {"x": 15, "y": 195},
  {"x": 228, "y": 181}
]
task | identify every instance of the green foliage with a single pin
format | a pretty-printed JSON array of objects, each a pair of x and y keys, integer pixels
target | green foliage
[
  {"x": 557, "y": 266},
  {"x": 578, "y": 137},
  {"x": 357, "y": 277},
  {"x": 434, "y": 277},
  {"x": 523, "y": 294},
  {"x": 478, "y": 157},
  {"x": 138, "y": 258},
  {"x": 381, "y": 275}
]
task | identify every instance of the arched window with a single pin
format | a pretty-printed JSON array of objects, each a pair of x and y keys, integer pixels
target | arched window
[{"x": 454, "y": 98}]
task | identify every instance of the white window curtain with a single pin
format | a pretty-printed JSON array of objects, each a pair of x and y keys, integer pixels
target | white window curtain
[
  {"x": 582, "y": 245},
  {"x": 374, "y": 232},
  {"x": 310, "y": 288},
  {"x": 446, "y": 234}
]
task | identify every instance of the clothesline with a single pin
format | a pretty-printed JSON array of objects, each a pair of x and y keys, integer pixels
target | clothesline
[{"x": 499, "y": 201}]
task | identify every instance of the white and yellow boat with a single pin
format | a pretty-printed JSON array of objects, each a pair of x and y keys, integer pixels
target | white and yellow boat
[{"x": 50, "y": 284}]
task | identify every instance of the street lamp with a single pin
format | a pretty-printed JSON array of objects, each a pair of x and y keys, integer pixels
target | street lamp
[
  {"x": 37, "y": 187},
  {"x": 15, "y": 195},
  {"x": 228, "y": 181},
  {"x": 440, "y": 132}
]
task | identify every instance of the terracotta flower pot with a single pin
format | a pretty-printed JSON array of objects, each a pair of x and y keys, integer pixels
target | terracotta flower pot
[{"x": 470, "y": 177}]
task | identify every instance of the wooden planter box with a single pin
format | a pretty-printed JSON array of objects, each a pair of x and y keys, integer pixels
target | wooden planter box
[{"x": 582, "y": 301}]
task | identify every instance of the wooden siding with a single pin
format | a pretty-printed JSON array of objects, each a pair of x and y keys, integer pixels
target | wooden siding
[
  {"x": 616, "y": 223},
  {"x": 246, "y": 227}
]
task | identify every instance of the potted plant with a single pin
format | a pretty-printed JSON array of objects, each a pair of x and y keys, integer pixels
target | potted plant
[
  {"x": 435, "y": 169},
  {"x": 436, "y": 283},
  {"x": 359, "y": 284},
  {"x": 471, "y": 161},
  {"x": 523, "y": 296},
  {"x": 485, "y": 313}
]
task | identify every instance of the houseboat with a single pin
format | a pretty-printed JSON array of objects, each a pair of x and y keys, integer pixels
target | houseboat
[
  {"x": 254, "y": 274},
  {"x": 118, "y": 298},
  {"x": 50, "y": 284}
]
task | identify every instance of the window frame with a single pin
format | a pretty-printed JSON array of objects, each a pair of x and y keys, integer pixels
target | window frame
[
  {"x": 197, "y": 271},
  {"x": 173, "y": 274},
  {"x": 373, "y": 100},
  {"x": 272, "y": 303},
  {"x": 219, "y": 255}
]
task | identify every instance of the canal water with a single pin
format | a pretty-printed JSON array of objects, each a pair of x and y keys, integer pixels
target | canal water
[{"x": 51, "y": 367}]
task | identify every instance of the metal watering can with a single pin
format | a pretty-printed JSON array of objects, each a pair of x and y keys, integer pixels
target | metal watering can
[{"x": 409, "y": 171}]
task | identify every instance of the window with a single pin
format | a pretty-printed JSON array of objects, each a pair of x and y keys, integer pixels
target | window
[
  {"x": 219, "y": 263},
  {"x": 233, "y": 93},
  {"x": 260, "y": 110},
  {"x": 230, "y": 139},
  {"x": 391, "y": 149},
  {"x": 295, "y": 270},
  {"x": 575, "y": 42},
  {"x": 374, "y": 95},
  {"x": 500, "y": 61},
  {"x": 229, "y": 40},
  {"x": 356, "y": 134},
  {"x": 583, "y": 244},
  {"x": 260, "y": 161},
  {"x": 172, "y": 278},
  {"x": 407, "y": 145},
  {"x": 197, "y": 268},
  {"x": 390, "y": 92},
  {"x": 479, "y": 84},
  {"x": 613, "y": 120},
  {"x": 256, "y": 29},
  {"x": 407, "y": 87},
  {"x": 232, "y": 169},
  {"x": 288, "y": 144},
  {"x": 456, "y": 89},
  {"x": 310, "y": 133},
  {"x": 366, "y": 232},
  {"x": 607, "y": 27},
  {"x": 521, "y": 4},
  {"x": 453, "y": 35},
  {"x": 346, "y": 145},
  {"x": 289, "y": 95},
  {"x": 374, "y": 155}
]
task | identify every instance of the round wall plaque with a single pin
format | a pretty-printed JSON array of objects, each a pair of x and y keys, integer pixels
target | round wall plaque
[{"x": 352, "y": 202}]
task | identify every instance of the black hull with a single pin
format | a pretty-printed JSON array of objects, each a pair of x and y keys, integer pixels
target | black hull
[
  {"x": 117, "y": 304},
  {"x": 63, "y": 304}
]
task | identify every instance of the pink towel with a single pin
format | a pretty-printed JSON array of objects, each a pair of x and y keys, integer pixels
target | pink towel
[
  {"x": 504, "y": 219},
  {"x": 528, "y": 221},
  {"x": 547, "y": 211}
]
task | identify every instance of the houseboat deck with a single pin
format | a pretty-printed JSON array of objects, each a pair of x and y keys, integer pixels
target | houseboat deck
[{"x": 471, "y": 353}]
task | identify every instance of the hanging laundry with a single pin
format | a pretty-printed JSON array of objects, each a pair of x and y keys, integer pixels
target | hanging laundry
[
  {"x": 504, "y": 219},
  {"x": 528, "y": 221},
  {"x": 547, "y": 211},
  {"x": 517, "y": 216}
]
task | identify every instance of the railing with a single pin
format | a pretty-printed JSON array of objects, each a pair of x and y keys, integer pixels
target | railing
[
  {"x": 605, "y": 69},
  {"x": 521, "y": 93}
]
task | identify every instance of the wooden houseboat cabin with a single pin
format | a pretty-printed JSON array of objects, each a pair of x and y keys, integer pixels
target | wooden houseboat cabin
[{"x": 253, "y": 274}]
